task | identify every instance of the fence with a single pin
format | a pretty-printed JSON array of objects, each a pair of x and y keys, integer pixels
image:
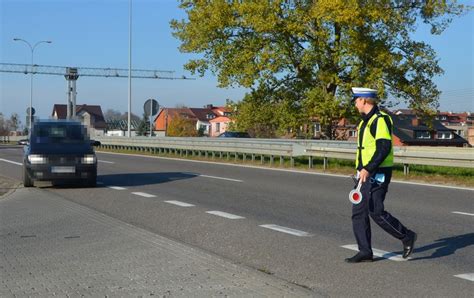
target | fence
[
  {"x": 269, "y": 149},
  {"x": 276, "y": 148}
]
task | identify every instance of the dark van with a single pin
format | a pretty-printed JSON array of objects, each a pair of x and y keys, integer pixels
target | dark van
[{"x": 59, "y": 151}]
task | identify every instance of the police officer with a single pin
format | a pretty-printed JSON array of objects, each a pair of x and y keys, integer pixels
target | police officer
[{"x": 374, "y": 166}]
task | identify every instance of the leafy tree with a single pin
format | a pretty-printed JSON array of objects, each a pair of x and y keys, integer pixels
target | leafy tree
[
  {"x": 14, "y": 122},
  {"x": 306, "y": 54},
  {"x": 144, "y": 126},
  {"x": 180, "y": 126},
  {"x": 4, "y": 127},
  {"x": 112, "y": 114}
]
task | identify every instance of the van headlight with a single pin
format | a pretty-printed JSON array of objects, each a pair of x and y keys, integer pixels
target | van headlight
[
  {"x": 36, "y": 159},
  {"x": 88, "y": 159}
]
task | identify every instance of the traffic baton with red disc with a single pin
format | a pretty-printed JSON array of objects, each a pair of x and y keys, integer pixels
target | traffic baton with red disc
[{"x": 355, "y": 196}]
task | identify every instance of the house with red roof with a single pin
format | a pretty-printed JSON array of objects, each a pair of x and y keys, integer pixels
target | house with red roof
[
  {"x": 221, "y": 122},
  {"x": 90, "y": 115},
  {"x": 200, "y": 116}
]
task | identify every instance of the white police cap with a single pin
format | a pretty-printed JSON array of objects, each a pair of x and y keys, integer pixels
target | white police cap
[{"x": 363, "y": 92}]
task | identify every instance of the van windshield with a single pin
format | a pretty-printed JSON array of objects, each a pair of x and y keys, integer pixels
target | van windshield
[{"x": 58, "y": 133}]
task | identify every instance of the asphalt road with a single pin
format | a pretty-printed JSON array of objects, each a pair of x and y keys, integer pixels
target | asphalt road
[{"x": 233, "y": 211}]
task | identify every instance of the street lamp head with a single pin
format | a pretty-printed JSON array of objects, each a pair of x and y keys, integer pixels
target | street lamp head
[
  {"x": 16, "y": 39},
  {"x": 48, "y": 41}
]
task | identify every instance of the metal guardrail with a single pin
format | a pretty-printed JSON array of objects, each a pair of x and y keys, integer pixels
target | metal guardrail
[
  {"x": 5, "y": 139},
  {"x": 409, "y": 155},
  {"x": 284, "y": 148}
]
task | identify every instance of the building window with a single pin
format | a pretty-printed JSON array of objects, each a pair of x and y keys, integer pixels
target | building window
[
  {"x": 210, "y": 116},
  {"x": 317, "y": 127},
  {"x": 423, "y": 135},
  {"x": 218, "y": 127},
  {"x": 352, "y": 133},
  {"x": 444, "y": 135}
]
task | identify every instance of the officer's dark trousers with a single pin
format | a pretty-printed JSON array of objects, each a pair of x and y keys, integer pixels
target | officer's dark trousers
[{"x": 373, "y": 196}]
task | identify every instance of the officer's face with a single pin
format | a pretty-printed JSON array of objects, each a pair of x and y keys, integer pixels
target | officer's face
[{"x": 359, "y": 104}]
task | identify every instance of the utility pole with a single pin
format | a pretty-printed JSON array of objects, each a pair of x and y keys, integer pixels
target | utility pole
[
  {"x": 129, "y": 68},
  {"x": 71, "y": 77}
]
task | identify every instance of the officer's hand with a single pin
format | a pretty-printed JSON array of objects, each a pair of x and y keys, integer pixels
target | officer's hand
[{"x": 364, "y": 175}]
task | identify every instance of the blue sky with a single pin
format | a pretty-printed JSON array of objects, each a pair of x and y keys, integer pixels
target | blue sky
[{"x": 94, "y": 33}]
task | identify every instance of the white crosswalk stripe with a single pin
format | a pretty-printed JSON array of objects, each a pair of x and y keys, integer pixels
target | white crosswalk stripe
[
  {"x": 380, "y": 253},
  {"x": 116, "y": 187},
  {"x": 178, "y": 203},
  {"x": 225, "y": 214},
  {"x": 467, "y": 276},
  {"x": 286, "y": 230},
  {"x": 144, "y": 194}
]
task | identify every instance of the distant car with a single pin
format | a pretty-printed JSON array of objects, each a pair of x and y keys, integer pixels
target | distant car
[
  {"x": 23, "y": 142},
  {"x": 59, "y": 151},
  {"x": 234, "y": 134}
]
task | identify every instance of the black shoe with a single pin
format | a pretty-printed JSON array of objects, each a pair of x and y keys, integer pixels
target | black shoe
[
  {"x": 409, "y": 245},
  {"x": 358, "y": 258}
]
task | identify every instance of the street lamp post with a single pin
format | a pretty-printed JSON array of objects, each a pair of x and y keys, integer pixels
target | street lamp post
[
  {"x": 32, "y": 48},
  {"x": 129, "y": 69}
]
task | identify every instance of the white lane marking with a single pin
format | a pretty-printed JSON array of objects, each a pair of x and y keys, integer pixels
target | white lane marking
[
  {"x": 144, "y": 194},
  {"x": 213, "y": 177},
  {"x": 286, "y": 230},
  {"x": 105, "y": 161},
  {"x": 116, "y": 187},
  {"x": 285, "y": 170},
  {"x": 468, "y": 276},
  {"x": 380, "y": 253},
  {"x": 221, "y": 178},
  {"x": 463, "y": 213},
  {"x": 178, "y": 203},
  {"x": 10, "y": 161},
  {"x": 225, "y": 214}
]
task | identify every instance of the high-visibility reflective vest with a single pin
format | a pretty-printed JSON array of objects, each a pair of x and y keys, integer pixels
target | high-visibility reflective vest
[{"x": 367, "y": 149}]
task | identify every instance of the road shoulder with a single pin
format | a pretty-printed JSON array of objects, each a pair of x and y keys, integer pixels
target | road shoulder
[{"x": 57, "y": 247}]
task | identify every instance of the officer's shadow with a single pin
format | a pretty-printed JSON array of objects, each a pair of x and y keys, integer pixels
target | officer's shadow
[{"x": 446, "y": 246}]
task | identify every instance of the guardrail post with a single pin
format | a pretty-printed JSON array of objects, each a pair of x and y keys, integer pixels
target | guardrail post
[
  {"x": 325, "y": 163},
  {"x": 406, "y": 169},
  {"x": 228, "y": 156},
  {"x": 244, "y": 157},
  {"x": 310, "y": 162},
  {"x": 271, "y": 160},
  {"x": 236, "y": 156},
  {"x": 292, "y": 162},
  {"x": 262, "y": 159},
  {"x": 281, "y": 160},
  {"x": 253, "y": 157},
  {"x": 220, "y": 154}
]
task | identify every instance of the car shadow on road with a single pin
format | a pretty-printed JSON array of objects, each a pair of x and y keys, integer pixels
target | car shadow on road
[
  {"x": 140, "y": 179},
  {"x": 445, "y": 246}
]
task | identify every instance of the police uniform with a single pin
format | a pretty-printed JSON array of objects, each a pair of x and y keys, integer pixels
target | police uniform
[{"x": 375, "y": 154}]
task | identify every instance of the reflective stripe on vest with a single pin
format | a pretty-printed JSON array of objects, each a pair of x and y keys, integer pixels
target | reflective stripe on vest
[{"x": 369, "y": 141}]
